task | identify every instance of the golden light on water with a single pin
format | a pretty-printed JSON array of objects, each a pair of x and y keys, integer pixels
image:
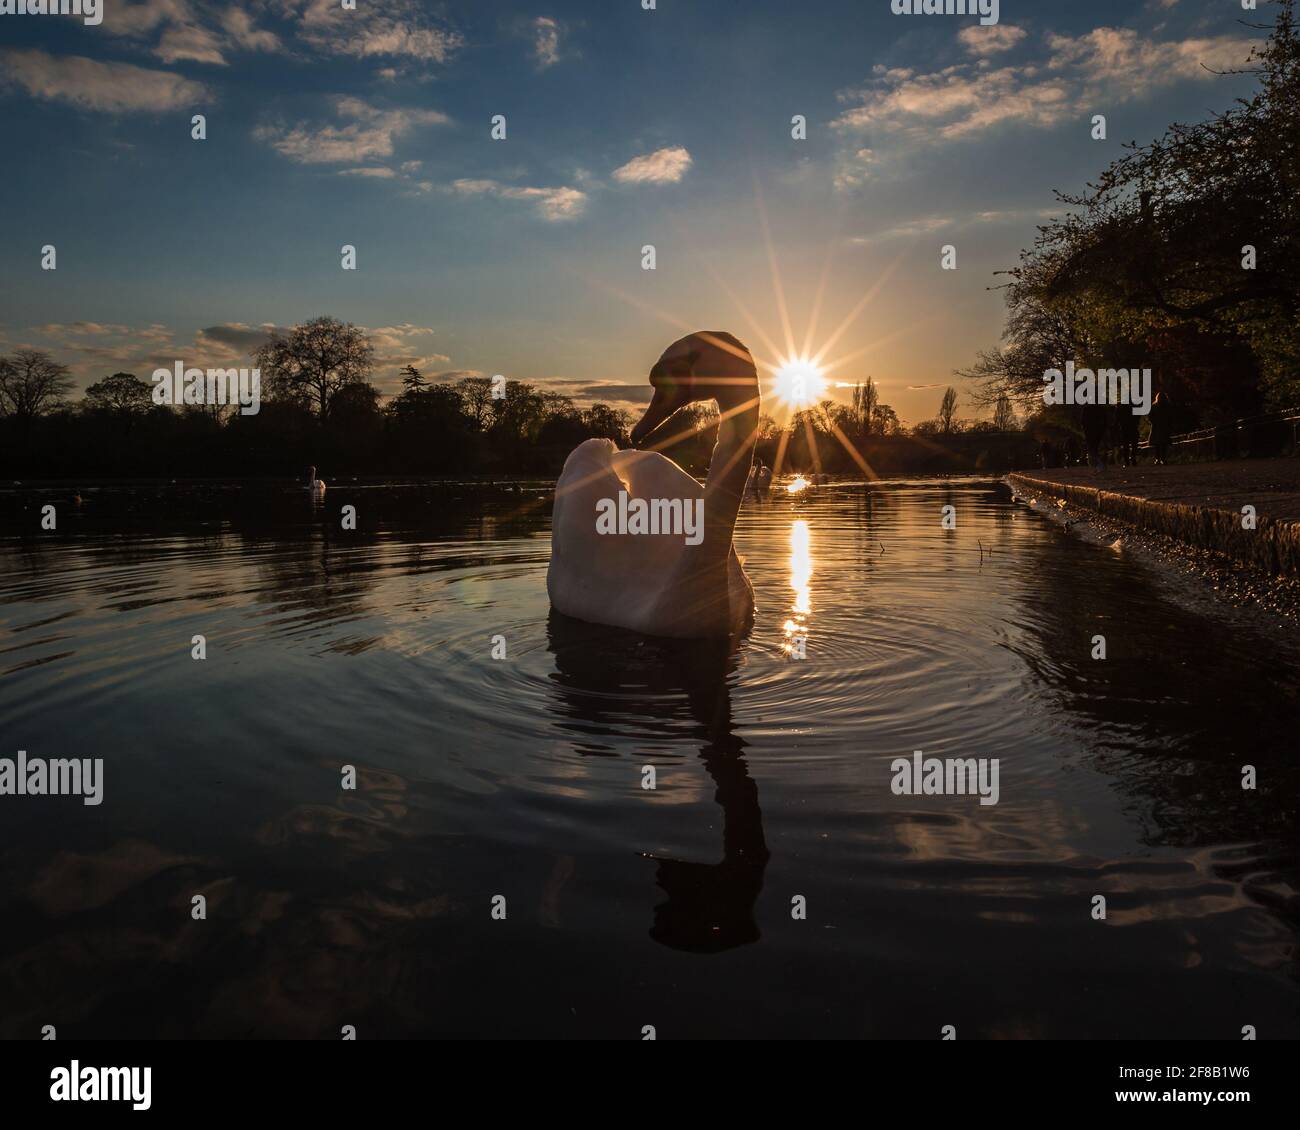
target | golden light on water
[
  {"x": 799, "y": 383},
  {"x": 801, "y": 570},
  {"x": 797, "y": 484}
]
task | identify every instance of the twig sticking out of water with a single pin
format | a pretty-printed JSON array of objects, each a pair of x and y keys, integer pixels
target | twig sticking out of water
[{"x": 882, "y": 547}]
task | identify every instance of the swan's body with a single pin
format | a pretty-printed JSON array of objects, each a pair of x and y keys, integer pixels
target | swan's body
[
  {"x": 648, "y": 582},
  {"x": 314, "y": 485},
  {"x": 659, "y": 584}
]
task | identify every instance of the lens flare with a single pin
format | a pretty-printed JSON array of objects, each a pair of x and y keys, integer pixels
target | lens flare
[{"x": 799, "y": 383}]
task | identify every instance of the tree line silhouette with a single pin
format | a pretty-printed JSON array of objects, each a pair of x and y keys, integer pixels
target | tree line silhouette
[{"x": 320, "y": 408}]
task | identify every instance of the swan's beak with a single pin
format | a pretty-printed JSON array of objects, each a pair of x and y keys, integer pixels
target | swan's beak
[{"x": 663, "y": 405}]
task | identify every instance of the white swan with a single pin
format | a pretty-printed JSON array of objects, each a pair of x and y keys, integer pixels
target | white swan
[
  {"x": 315, "y": 485},
  {"x": 657, "y": 583}
]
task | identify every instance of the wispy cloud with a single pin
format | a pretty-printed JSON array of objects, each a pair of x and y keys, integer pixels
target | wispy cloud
[
  {"x": 928, "y": 225},
  {"x": 210, "y": 31},
  {"x": 243, "y": 32},
  {"x": 395, "y": 29},
  {"x": 80, "y": 329},
  {"x": 912, "y": 109},
  {"x": 236, "y": 335},
  {"x": 546, "y": 41},
  {"x": 605, "y": 392},
  {"x": 663, "y": 166},
  {"x": 992, "y": 39},
  {"x": 552, "y": 204},
  {"x": 187, "y": 30},
  {"x": 451, "y": 376},
  {"x": 93, "y": 350},
  {"x": 369, "y": 134},
  {"x": 911, "y": 228},
  {"x": 115, "y": 88},
  {"x": 1108, "y": 53},
  {"x": 399, "y": 346}
]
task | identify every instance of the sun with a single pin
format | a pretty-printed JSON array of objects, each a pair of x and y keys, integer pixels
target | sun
[{"x": 800, "y": 383}]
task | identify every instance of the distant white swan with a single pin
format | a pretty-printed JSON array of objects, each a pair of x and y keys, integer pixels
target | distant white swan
[
  {"x": 315, "y": 485},
  {"x": 658, "y": 583}
]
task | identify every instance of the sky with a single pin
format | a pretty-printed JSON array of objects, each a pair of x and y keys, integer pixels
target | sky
[{"x": 624, "y": 127}]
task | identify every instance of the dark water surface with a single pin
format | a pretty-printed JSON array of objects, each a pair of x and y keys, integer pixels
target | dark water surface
[{"x": 522, "y": 777}]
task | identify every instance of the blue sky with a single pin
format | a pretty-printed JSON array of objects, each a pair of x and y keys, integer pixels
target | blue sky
[{"x": 625, "y": 127}]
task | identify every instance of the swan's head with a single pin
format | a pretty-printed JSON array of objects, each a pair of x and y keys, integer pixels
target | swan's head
[{"x": 705, "y": 365}]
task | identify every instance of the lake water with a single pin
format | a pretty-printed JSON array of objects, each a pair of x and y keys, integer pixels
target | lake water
[{"x": 522, "y": 777}]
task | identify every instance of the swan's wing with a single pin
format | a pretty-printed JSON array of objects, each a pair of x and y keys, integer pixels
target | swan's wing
[
  {"x": 651, "y": 475},
  {"x": 612, "y": 578}
]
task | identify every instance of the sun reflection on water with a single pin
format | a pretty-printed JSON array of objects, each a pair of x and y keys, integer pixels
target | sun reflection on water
[{"x": 801, "y": 568}]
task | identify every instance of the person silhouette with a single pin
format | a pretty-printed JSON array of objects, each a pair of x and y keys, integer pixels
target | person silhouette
[
  {"x": 1094, "y": 432},
  {"x": 1126, "y": 434}
]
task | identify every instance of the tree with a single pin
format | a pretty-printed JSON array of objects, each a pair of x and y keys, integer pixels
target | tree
[
  {"x": 32, "y": 383},
  {"x": 476, "y": 392},
  {"x": 884, "y": 421},
  {"x": 768, "y": 429},
  {"x": 122, "y": 393},
  {"x": 353, "y": 402},
  {"x": 862, "y": 412},
  {"x": 412, "y": 381},
  {"x": 948, "y": 412},
  {"x": 604, "y": 422},
  {"x": 826, "y": 416},
  {"x": 1004, "y": 415},
  {"x": 430, "y": 429},
  {"x": 518, "y": 416},
  {"x": 1184, "y": 257},
  {"x": 315, "y": 362}
]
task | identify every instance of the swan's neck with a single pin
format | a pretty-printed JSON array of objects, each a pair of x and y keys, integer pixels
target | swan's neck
[{"x": 729, "y": 468}]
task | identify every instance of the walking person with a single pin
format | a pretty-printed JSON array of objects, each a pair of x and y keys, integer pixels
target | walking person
[
  {"x": 1094, "y": 432},
  {"x": 1126, "y": 435}
]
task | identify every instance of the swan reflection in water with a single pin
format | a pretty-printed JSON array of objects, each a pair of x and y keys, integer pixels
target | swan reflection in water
[{"x": 604, "y": 675}]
